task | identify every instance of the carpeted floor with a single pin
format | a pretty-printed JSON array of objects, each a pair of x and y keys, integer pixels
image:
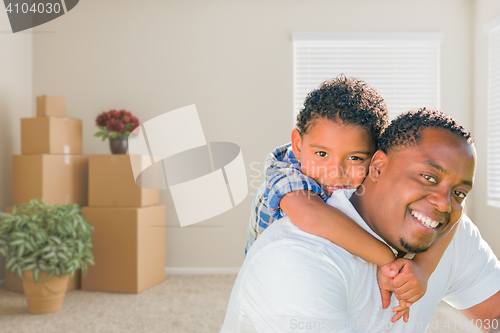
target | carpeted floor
[{"x": 181, "y": 304}]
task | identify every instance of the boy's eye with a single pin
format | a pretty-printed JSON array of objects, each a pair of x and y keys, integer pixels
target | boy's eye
[
  {"x": 430, "y": 178},
  {"x": 355, "y": 158},
  {"x": 460, "y": 194},
  {"x": 321, "y": 154}
]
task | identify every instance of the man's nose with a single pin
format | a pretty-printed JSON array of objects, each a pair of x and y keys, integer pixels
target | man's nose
[{"x": 441, "y": 199}]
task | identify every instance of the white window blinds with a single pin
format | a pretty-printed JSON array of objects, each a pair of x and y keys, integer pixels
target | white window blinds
[
  {"x": 403, "y": 67},
  {"x": 494, "y": 115}
]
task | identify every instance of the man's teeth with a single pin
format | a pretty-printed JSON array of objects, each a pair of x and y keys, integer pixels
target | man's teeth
[{"x": 425, "y": 221}]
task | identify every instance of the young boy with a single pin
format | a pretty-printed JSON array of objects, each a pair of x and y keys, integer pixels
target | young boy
[{"x": 335, "y": 138}]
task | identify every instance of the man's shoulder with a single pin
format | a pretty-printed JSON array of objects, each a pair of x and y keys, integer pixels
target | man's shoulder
[
  {"x": 285, "y": 253},
  {"x": 285, "y": 243},
  {"x": 468, "y": 243},
  {"x": 467, "y": 231},
  {"x": 282, "y": 234},
  {"x": 471, "y": 266}
]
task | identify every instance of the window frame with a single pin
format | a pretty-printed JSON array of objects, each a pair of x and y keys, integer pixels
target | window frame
[
  {"x": 301, "y": 38},
  {"x": 492, "y": 30}
]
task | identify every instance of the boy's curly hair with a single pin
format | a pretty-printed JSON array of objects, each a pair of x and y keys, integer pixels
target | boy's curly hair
[
  {"x": 348, "y": 99},
  {"x": 405, "y": 129}
]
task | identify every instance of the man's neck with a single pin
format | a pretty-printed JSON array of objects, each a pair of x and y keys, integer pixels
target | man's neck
[
  {"x": 400, "y": 254},
  {"x": 361, "y": 207}
]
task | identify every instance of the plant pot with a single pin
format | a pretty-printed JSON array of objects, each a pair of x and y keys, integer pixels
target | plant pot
[
  {"x": 118, "y": 145},
  {"x": 44, "y": 298}
]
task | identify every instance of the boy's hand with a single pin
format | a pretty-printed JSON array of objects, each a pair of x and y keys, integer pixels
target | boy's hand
[
  {"x": 384, "y": 274},
  {"x": 407, "y": 279},
  {"x": 402, "y": 310},
  {"x": 384, "y": 286}
]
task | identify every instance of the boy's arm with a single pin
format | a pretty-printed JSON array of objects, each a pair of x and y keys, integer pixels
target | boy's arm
[
  {"x": 410, "y": 283},
  {"x": 430, "y": 258},
  {"x": 311, "y": 214}
]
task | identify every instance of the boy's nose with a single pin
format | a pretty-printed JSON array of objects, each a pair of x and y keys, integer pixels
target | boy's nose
[{"x": 337, "y": 171}]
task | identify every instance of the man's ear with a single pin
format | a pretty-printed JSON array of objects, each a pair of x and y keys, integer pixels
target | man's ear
[
  {"x": 377, "y": 165},
  {"x": 296, "y": 143}
]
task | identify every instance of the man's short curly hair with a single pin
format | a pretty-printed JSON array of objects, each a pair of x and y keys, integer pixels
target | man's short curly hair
[
  {"x": 405, "y": 129},
  {"x": 348, "y": 99}
]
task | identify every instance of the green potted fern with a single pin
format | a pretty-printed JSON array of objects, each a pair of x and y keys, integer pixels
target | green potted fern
[{"x": 44, "y": 245}]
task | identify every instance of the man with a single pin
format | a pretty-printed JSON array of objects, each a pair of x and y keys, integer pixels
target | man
[{"x": 292, "y": 281}]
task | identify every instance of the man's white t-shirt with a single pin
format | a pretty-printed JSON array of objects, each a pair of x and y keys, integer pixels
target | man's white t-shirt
[{"x": 292, "y": 281}]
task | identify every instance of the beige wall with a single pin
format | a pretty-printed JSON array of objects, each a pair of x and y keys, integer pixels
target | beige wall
[
  {"x": 486, "y": 217},
  {"x": 15, "y": 102},
  {"x": 233, "y": 59}
]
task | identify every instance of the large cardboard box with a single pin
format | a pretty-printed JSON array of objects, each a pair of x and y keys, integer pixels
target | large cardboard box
[
  {"x": 128, "y": 248},
  {"x": 51, "y": 135},
  {"x": 59, "y": 179},
  {"x": 14, "y": 283},
  {"x": 50, "y": 106},
  {"x": 112, "y": 183}
]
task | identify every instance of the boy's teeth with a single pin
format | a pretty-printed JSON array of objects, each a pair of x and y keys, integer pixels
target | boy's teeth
[{"x": 424, "y": 220}]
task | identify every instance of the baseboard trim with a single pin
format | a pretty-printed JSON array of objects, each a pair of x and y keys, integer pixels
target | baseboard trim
[{"x": 202, "y": 270}]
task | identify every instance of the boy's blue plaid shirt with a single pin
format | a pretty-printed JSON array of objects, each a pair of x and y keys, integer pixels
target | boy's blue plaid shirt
[{"x": 283, "y": 175}]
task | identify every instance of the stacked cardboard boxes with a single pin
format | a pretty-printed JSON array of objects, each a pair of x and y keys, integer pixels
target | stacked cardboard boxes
[
  {"x": 129, "y": 235},
  {"x": 50, "y": 166}
]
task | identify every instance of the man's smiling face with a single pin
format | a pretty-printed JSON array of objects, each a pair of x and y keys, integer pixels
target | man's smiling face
[{"x": 420, "y": 190}]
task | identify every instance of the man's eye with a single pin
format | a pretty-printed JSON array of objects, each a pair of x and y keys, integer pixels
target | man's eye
[
  {"x": 355, "y": 158},
  {"x": 461, "y": 194},
  {"x": 430, "y": 178},
  {"x": 321, "y": 154}
]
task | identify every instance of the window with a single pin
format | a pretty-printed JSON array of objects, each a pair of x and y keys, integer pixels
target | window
[
  {"x": 493, "y": 30},
  {"x": 403, "y": 67}
]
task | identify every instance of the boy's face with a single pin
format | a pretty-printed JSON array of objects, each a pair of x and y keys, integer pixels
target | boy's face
[{"x": 334, "y": 154}]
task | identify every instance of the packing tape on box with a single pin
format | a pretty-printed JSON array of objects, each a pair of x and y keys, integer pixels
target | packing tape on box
[{"x": 205, "y": 179}]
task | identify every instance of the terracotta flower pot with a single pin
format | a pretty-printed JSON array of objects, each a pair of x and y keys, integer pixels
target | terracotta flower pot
[{"x": 44, "y": 298}]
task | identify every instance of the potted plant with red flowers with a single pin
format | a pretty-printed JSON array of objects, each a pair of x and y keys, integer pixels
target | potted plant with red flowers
[{"x": 117, "y": 126}]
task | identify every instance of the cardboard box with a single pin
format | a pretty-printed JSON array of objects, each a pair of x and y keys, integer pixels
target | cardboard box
[
  {"x": 51, "y": 135},
  {"x": 59, "y": 179},
  {"x": 112, "y": 183},
  {"x": 14, "y": 283},
  {"x": 50, "y": 106},
  {"x": 128, "y": 248}
]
